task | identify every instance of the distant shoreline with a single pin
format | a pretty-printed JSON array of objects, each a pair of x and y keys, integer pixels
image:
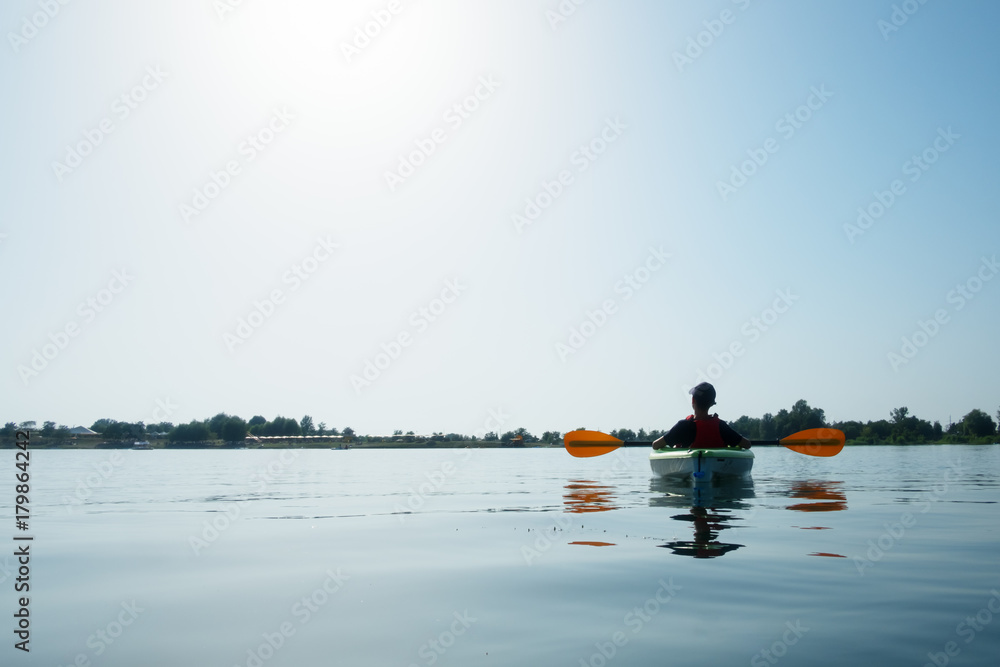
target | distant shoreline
[
  {"x": 317, "y": 442},
  {"x": 96, "y": 444}
]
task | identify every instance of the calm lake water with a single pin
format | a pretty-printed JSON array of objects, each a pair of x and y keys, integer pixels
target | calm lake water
[{"x": 879, "y": 556}]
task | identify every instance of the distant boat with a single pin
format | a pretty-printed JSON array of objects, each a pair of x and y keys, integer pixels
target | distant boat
[{"x": 141, "y": 444}]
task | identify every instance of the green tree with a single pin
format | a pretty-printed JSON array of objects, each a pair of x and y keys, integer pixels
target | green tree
[
  {"x": 321, "y": 429},
  {"x": 217, "y": 423},
  {"x": 26, "y": 426},
  {"x": 162, "y": 427},
  {"x": 61, "y": 434},
  {"x": 194, "y": 431},
  {"x": 876, "y": 431},
  {"x": 234, "y": 430},
  {"x": 978, "y": 424},
  {"x": 852, "y": 429},
  {"x": 100, "y": 425},
  {"x": 899, "y": 415},
  {"x": 256, "y": 420},
  {"x": 117, "y": 430},
  {"x": 768, "y": 428},
  {"x": 48, "y": 429},
  {"x": 306, "y": 424},
  {"x": 279, "y": 426},
  {"x": 8, "y": 431},
  {"x": 748, "y": 427},
  {"x": 803, "y": 417},
  {"x": 525, "y": 435},
  {"x": 114, "y": 430}
]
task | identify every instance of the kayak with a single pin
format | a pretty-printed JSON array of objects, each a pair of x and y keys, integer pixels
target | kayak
[{"x": 702, "y": 465}]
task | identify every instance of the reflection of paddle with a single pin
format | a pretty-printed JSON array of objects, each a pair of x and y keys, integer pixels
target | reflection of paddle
[
  {"x": 811, "y": 442},
  {"x": 586, "y": 496}
]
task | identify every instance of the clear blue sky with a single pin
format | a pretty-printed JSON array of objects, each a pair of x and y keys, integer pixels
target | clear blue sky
[{"x": 185, "y": 166}]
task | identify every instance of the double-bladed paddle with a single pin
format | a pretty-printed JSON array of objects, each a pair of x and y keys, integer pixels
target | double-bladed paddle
[{"x": 811, "y": 442}]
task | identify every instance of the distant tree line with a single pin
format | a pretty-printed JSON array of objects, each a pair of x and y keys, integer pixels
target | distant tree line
[
  {"x": 48, "y": 430},
  {"x": 901, "y": 427}
]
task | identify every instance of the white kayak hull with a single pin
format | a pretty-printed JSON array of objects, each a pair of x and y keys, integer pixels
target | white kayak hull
[{"x": 702, "y": 465}]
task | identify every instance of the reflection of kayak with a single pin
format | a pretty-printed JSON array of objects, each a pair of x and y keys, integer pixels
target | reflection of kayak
[{"x": 701, "y": 465}]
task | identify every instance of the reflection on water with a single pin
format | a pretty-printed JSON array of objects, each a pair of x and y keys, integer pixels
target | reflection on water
[
  {"x": 711, "y": 509},
  {"x": 586, "y": 496},
  {"x": 830, "y": 495}
]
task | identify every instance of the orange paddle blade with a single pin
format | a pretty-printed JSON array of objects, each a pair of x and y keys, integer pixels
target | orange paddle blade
[
  {"x": 590, "y": 443},
  {"x": 815, "y": 442}
]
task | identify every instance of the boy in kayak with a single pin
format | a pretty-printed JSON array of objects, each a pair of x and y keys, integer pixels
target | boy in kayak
[{"x": 701, "y": 429}]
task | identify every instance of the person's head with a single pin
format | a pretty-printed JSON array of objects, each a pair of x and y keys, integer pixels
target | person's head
[{"x": 703, "y": 396}]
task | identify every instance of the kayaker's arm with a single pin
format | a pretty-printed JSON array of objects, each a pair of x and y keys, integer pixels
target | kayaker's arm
[{"x": 680, "y": 435}]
